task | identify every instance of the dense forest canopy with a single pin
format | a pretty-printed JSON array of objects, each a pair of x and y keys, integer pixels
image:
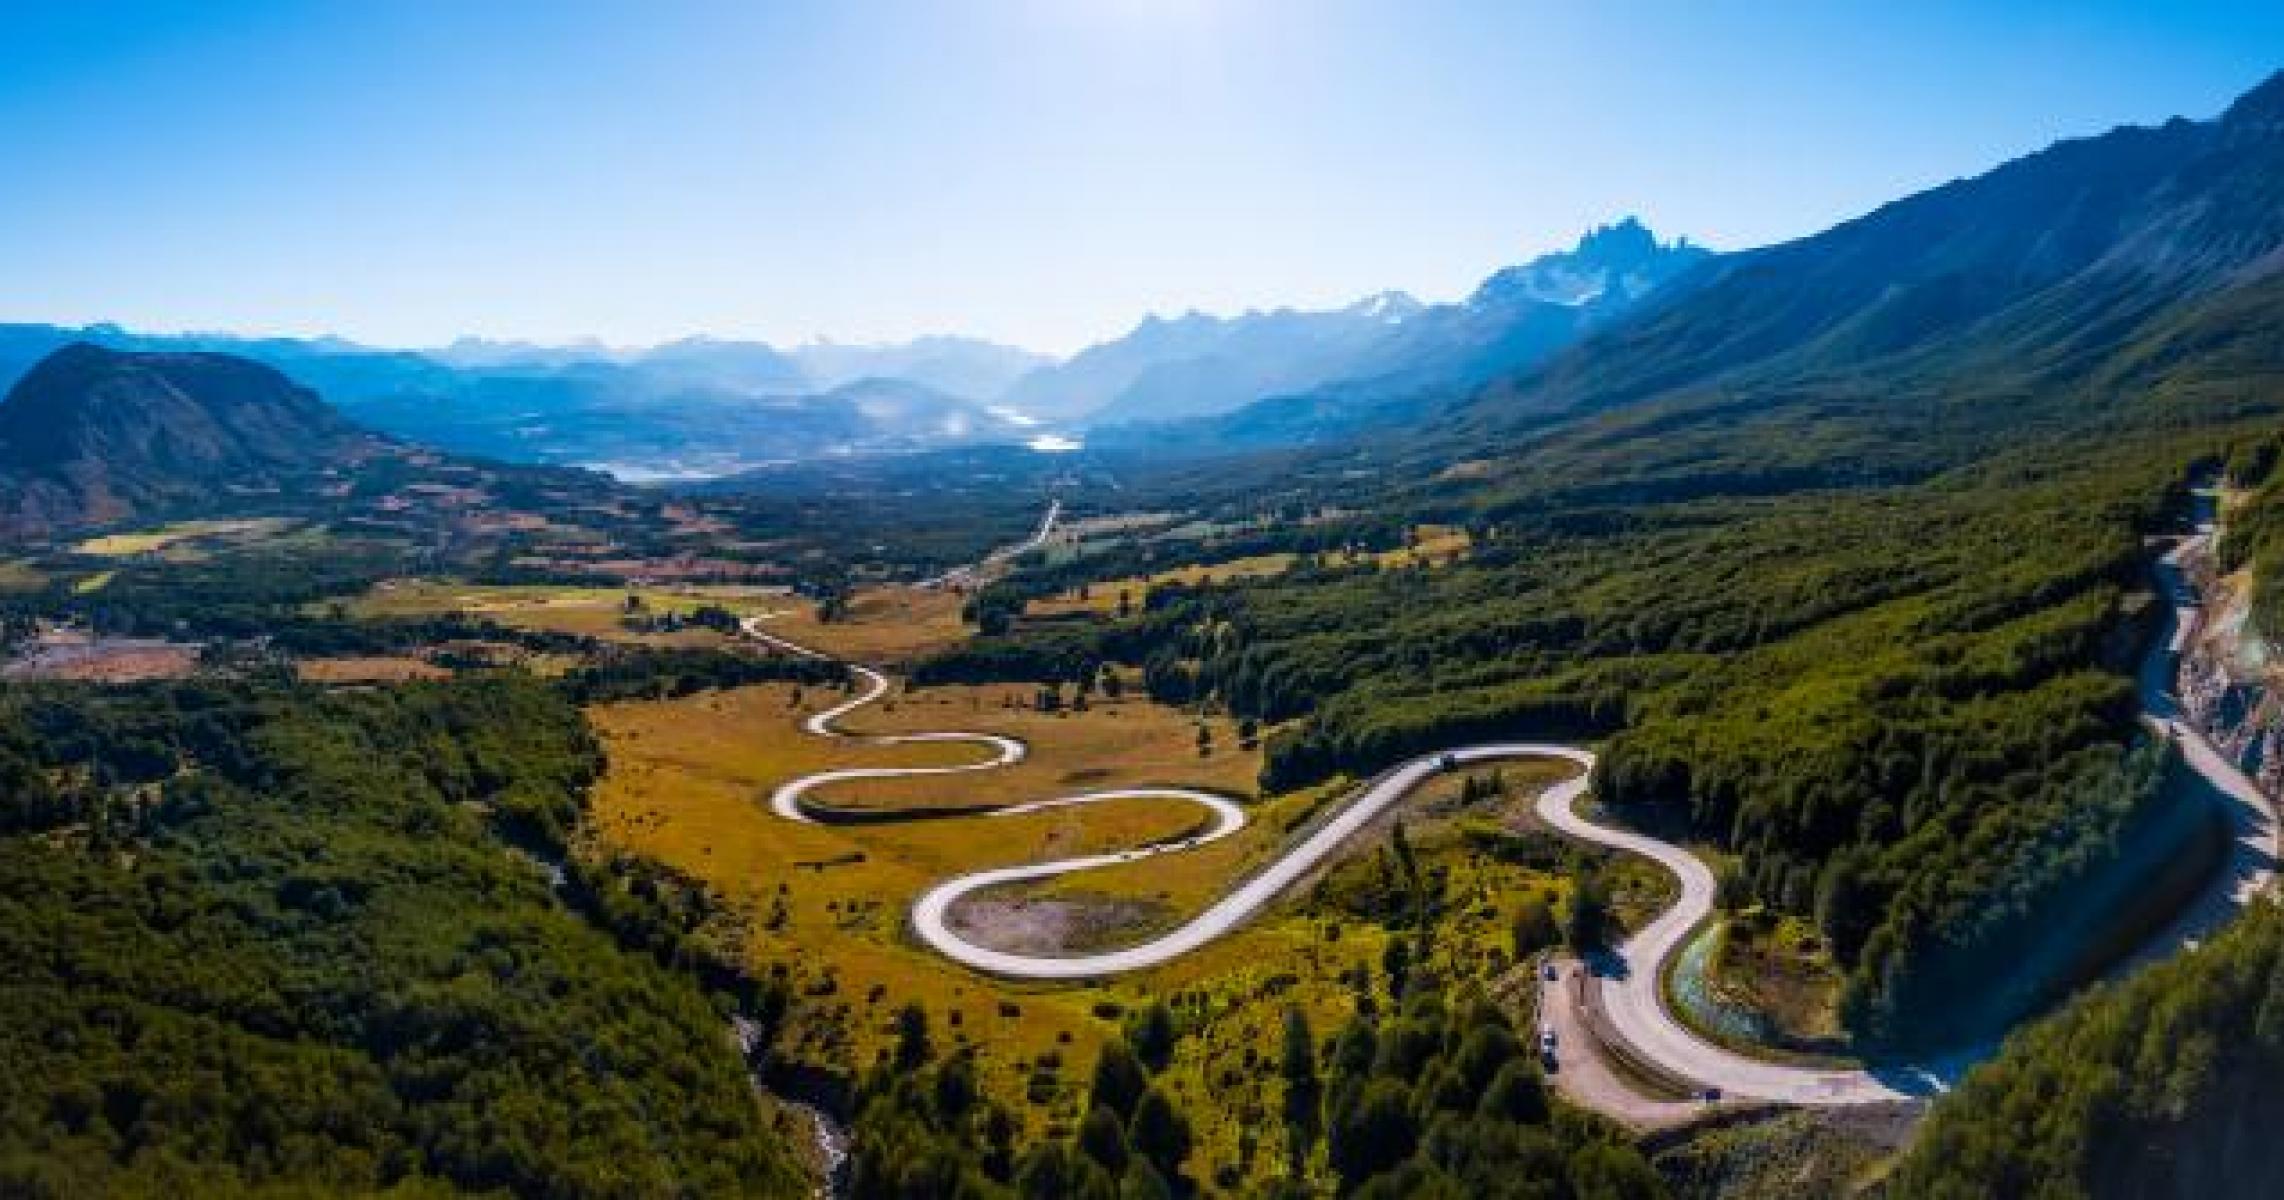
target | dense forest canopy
[
  {"x": 267, "y": 941},
  {"x": 1440, "y": 1098},
  {"x": 2163, "y": 1086}
]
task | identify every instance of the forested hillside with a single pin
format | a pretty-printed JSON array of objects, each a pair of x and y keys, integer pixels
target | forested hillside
[
  {"x": 91, "y": 436},
  {"x": 1840, "y": 551},
  {"x": 263, "y": 941},
  {"x": 1909, "y": 710},
  {"x": 1441, "y": 1098},
  {"x": 2164, "y": 1086}
]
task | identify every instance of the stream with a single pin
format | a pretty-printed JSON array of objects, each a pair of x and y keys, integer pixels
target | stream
[{"x": 830, "y": 1137}]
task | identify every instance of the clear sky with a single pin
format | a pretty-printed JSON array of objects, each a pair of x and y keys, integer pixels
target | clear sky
[{"x": 1037, "y": 171}]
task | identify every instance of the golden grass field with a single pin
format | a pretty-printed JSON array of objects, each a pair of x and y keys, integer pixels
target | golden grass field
[
  {"x": 884, "y": 624},
  {"x": 688, "y": 782},
  {"x": 149, "y": 541},
  {"x": 588, "y": 611},
  {"x": 687, "y": 785}
]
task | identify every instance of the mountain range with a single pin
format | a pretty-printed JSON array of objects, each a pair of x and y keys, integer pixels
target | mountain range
[
  {"x": 1198, "y": 366},
  {"x": 699, "y": 406},
  {"x": 2142, "y": 261},
  {"x": 2143, "y": 265},
  {"x": 707, "y": 406}
]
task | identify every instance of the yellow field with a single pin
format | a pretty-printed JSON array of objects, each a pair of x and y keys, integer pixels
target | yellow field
[
  {"x": 148, "y": 541},
  {"x": 1431, "y": 544},
  {"x": 883, "y": 625},
  {"x": 588, "y": 611},
  {"x": 1115, "y": 743},
  {"x": 688, "y": 781},
  {"x": 1103, "y": 597}
]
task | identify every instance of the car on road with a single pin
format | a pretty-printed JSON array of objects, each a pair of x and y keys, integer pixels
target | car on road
[
  {"x": 1448, "y": 763},
  {"x": 1548, "y": 1045},
  {"x": 1709, "y": 1095}
]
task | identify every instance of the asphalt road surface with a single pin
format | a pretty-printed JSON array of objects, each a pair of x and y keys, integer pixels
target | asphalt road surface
[
  {"x": 930, "y": 913},
  {"x": 1628, "y": 998}
]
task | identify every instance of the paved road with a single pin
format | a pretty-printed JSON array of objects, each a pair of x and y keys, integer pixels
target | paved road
[
  {"x": 931, "y": 912},
  {"x": 962, "y": 576},
  {"x": 1631, "y": 1001},
  {"x": 2252, "y": 861}
]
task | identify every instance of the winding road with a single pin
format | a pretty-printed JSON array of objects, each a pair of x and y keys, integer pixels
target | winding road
[
  {"x": 1627, "y": 983},
  {"x": 962, "y": 576},
  {"x": 1633, "y": 996},
  {"x": 930, "y": 913}
]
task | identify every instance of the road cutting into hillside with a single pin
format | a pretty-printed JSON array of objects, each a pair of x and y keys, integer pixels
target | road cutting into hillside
[{"x": 1630, "y": 999}]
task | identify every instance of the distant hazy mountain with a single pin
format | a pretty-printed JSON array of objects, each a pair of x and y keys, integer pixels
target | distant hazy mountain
[
  {"x": 923, "y": 413},
  {"x": 707, "y": 405},
  {"x": 1413, "y": 357},
  {"x": 90, "y": 435},
  {"x": 730, "y": 366},
  {"x": 966, "y": 367},
  {"x": 690, "y": 415},
  {"x": 693, "y": 407},
  {"x": 1195, "y": 365}
]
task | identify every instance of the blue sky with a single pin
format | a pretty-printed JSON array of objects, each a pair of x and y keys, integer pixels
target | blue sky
[{"x": 1038, "y": 171}]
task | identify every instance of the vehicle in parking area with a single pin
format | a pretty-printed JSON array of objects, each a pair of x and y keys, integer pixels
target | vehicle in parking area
[{"x": 1548, "y": 1044}]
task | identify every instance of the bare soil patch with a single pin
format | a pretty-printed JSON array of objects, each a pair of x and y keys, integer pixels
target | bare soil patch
[{"x": 1067, "y": 925}]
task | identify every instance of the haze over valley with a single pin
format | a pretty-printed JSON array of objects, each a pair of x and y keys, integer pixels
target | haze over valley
[{"x": 705, "y": 407}]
